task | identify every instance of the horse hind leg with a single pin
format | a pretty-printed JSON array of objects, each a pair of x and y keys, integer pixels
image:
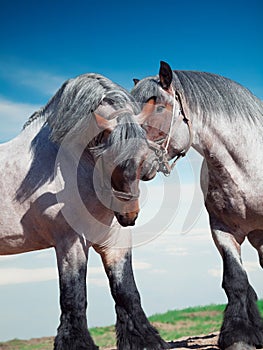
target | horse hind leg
[
  {"x": 242, "y": 326},
  {"x": 134, "y": 331}
]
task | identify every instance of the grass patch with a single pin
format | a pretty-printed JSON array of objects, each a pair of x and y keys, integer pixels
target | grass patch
[
  {"x": 191, "y": 321},
  {"x": 104, "y": 336},
  {"x": 33, "y": 344}
]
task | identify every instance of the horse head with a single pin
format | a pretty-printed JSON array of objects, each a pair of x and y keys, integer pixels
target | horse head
[
  {"x": 123, "y": 157},
  {"x": 166, "y": 122}
]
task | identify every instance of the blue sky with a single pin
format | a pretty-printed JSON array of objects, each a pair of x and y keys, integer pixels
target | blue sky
[{"x": 43, "y": 44}]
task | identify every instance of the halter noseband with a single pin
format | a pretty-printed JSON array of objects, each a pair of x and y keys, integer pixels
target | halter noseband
[
  {"x": 161, "y": 151},
  {"x": 124, "y": 195}
]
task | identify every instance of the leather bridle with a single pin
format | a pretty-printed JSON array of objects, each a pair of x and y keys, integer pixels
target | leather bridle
[{"x": 161, "y": 147}]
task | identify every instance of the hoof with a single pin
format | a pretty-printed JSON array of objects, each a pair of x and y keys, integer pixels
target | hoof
[{"x": 240, "y": 346}]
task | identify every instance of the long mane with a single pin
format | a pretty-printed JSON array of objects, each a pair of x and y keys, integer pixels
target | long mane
[
  {"x": 208, "y": 96},
  {"x": 72, "y": 106},
  {"x": 216, "y": 96}
]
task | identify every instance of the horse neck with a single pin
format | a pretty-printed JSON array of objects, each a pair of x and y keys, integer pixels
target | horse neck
[{"x": 220, "y": 141}]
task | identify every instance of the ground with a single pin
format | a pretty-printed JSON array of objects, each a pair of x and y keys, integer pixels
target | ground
[{"x": 203, "y": 342}]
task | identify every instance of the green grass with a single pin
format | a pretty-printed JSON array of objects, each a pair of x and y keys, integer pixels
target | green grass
[
  {"x": 171, "y": 325},
  {"x": 104, "y": 336},
  {"x": 17, "y": 344},
  {"x": 190, "y": 321}
]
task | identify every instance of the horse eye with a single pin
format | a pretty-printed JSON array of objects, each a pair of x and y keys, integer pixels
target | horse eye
[{"x": 159, "y": 109}]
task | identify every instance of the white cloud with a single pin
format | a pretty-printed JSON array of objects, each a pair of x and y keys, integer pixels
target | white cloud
[
  {"x": 16, "y": 275},
  {"x": 13, "y": 116},
  {"x": 15, "y": 112},
  {"x": 141, "y": 265},
  {"x": 251, "y": 266},
  {"x": 8, "y": 276},
  {"x": 178, "y": 251},
  {"x": 216, "y": 272},
  {"x": 42, "y": 81}
]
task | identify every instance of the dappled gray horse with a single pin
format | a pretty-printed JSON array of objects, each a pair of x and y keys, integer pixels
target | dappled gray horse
[
  {"x": 65, "y": 179},
  {"x": 223, "y": 121}
]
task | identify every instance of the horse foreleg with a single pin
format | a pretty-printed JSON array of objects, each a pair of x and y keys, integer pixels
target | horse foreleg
[
  {"x": 242, "y": 324},
  {"x": 134, "y": 332},
  {"x": 73, "y": 333}
]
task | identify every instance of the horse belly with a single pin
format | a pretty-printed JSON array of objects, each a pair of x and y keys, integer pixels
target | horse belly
[
  {"x": 16, "y": 234},
  {"x": 15, "y": 238}
]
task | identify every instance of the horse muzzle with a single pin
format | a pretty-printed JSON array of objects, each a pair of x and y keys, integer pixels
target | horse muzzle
[
  {"x": 126, "y": 208},
  {"x": 126, "y": 219}
]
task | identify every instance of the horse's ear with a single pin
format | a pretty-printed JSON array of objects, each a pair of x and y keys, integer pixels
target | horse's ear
[
  {"x": 165, "y": 75},
  {"x": 147, "y": 110},
  {"x": 136, "y": 81},
  {"x": 103, "y": 123}
]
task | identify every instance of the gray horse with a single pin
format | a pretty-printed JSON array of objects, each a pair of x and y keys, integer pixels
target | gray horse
[
  {"x": 223, "y": 121},
  {"x": 66, "y": 178}
]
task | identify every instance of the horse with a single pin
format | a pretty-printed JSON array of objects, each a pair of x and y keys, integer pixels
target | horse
[
  {"x": 223, "y": 121},
  {"x": 69, "y": 181}
]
